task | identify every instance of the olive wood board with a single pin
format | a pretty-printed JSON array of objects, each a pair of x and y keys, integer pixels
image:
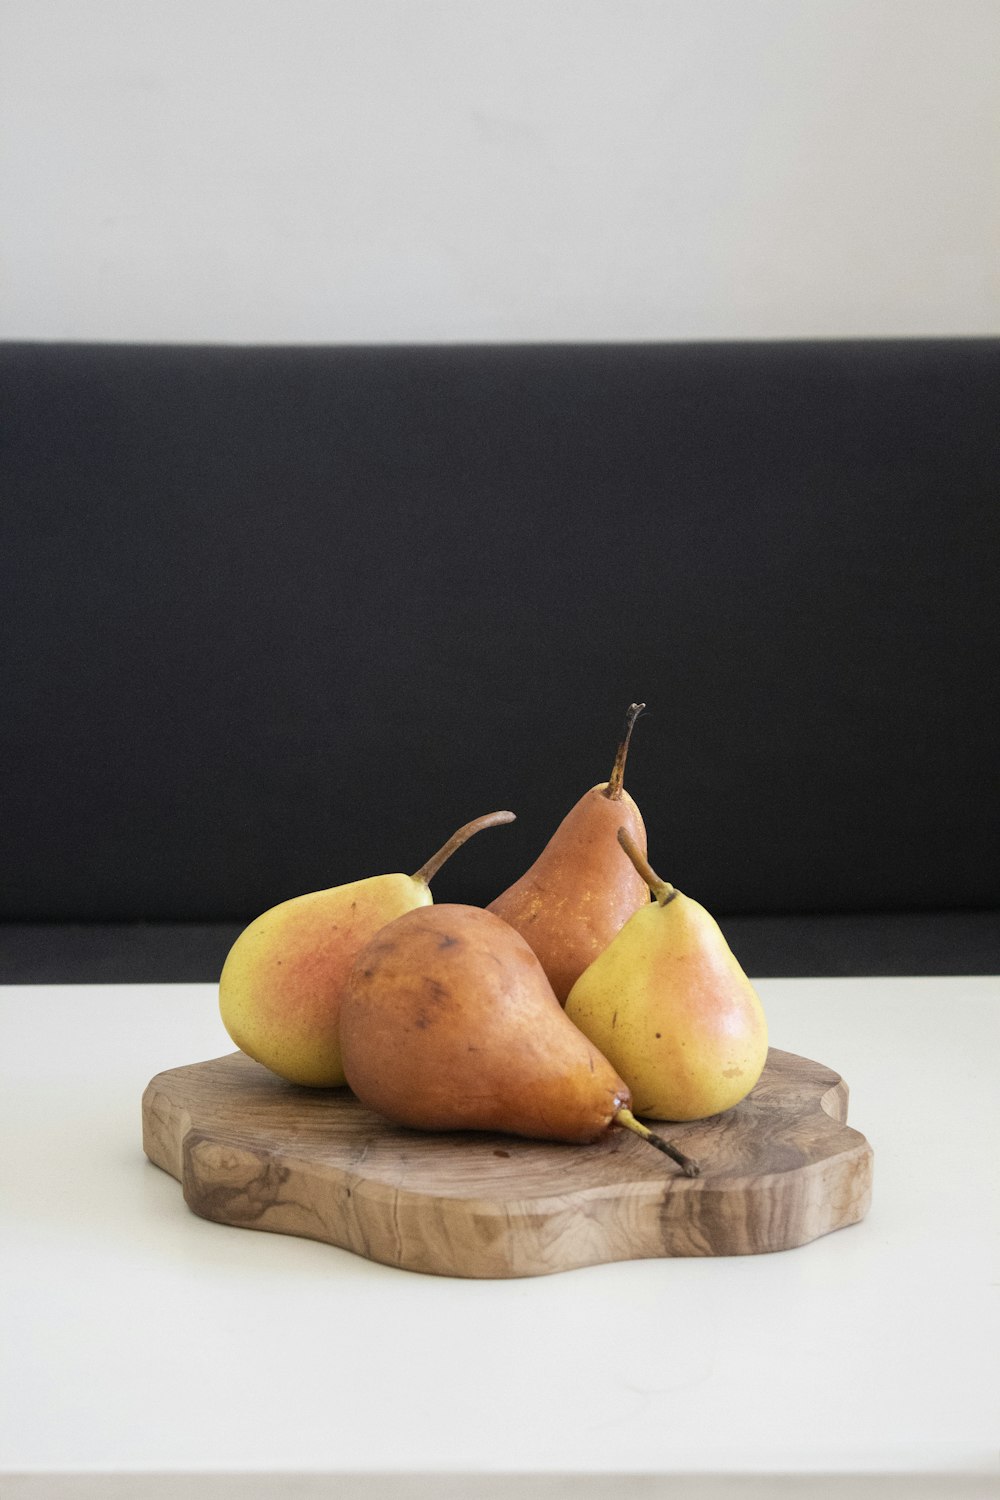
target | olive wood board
[{"x": 778, "y": 1170}]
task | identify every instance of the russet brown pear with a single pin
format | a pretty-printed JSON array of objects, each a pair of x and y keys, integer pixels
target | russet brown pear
[
  {"x": 282, "y": 982},
  {"x": 449, "y": 1023},
  {"x": 580, "y": 892}
]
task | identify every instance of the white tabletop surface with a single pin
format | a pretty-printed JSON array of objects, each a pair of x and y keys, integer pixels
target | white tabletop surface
[{"x": 141, "y": 1345}]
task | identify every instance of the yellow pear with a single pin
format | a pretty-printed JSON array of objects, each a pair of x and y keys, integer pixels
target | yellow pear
[
  {"x": 281, "y": 985},
  {"x": 578, "y": 894},
  {"x": 671, "y": 1009}
]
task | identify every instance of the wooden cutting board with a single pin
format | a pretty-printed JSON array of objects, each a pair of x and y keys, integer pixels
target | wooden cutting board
[{"x": 779, "y": 1170}]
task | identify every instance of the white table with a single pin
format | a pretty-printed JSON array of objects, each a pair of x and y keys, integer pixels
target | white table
[{"x": 142, "y": 1345}]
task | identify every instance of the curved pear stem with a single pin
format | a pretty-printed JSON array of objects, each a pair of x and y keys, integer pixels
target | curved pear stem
[
  {"x": 627, "y": 1118},
  {"x": 661, "y": 889},
  {"x": 617, "y": 778},
  {"x": 427, "y": 871}
]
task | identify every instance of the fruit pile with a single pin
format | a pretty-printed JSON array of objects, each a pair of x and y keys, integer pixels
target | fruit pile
[{"x": 589, "y": 993}]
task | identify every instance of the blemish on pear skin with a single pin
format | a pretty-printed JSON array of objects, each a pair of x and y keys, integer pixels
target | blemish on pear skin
[
  {"x": 447, "y": 942},
  {"x": 614, "y": 1020},
  {"x": 732, "y": 1072}
]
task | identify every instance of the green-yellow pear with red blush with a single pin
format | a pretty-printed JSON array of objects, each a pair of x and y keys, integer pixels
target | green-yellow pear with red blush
[
  {"x": 671, "y": 1009},
  {"x": 578, "y": 893},
  {"x": 283, "y": 980}
]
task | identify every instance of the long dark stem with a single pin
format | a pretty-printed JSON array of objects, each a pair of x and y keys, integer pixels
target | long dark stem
[
  {"x": 617, "y": 778},
  {"x": 427, "y": 871},
  {"x": 690, "y": 1166}
]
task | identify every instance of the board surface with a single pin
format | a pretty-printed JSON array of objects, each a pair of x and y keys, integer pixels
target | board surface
[{"x": 780, "y": 1169}]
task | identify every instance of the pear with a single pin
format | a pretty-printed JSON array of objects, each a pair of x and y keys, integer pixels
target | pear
[
  {"x": 579, "y": 892},
  {"x": 281, "y": 984},
  {"x": 670, "y": 1007},
  {"x": 449, "y": 1023}
]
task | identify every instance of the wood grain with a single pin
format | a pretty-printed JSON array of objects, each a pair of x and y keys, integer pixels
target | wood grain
[{"x": 780, "y": 1169}]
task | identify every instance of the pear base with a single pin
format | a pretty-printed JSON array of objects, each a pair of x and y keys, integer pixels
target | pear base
[{"x": 780, "y": 1169}]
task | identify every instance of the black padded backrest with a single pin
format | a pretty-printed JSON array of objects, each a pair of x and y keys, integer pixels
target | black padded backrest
[{"x": 278, "y": 618}]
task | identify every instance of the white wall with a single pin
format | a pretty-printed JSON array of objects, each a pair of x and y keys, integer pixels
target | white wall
[{"x": 341, "y": 170}]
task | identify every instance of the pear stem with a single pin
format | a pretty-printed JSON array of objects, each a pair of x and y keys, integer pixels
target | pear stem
[
  {"x": 661, "y": 889},
  {"x": 616, "y": 780},
  {"x": 427, "y": 871},
  {"x": 627, "y": 1118}
]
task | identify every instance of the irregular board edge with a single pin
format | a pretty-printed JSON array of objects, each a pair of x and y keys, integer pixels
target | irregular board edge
[
  {"x": 231, "y": 1181},
  {"x": 497, "y": 1233}
]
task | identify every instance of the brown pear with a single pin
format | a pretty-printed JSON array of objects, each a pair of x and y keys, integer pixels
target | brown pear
[
  {"x": 449, "y": 1023},
  {"x": 581, "y": 890}
]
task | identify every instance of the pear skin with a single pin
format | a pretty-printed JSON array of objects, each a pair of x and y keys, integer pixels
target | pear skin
[
  {"x": 580, "y": 892},
  {"x": 282, "y": 982},
  {"x": 449, "y": 1023},
  {"x": 670, "y": 1007},
  {"x": 279, "y": 993}
]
